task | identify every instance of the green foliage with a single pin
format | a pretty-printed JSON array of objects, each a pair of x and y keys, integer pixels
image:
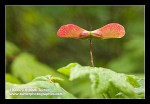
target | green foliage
[
  {"x": 10, "y": 49},
  {"x": 82, "y": 86},
  {"x": 133, "y": 57},
  {"x": 45, "y": 86},
  {"x": 105, "y": 83},
  {"x": 139, "y": 91},
  {"x": 12, "y": 79},
  {"x": 26, "y": 67},
  {"x": 66, "y": 70}
]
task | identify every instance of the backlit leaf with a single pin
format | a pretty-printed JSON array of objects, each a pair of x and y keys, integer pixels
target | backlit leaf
[
  {"x": 106, "y": 83},
  {"x": 40, "y": 87}
]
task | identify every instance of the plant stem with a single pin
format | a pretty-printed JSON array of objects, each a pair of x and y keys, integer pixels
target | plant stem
[{"x": 91, "y": 55}]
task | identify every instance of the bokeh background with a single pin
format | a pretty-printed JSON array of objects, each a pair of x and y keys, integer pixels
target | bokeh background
[{"x": 33, "y": 47}]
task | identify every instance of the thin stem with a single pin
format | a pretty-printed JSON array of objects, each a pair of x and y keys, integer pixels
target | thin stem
[{"x": 91, "y": 55}]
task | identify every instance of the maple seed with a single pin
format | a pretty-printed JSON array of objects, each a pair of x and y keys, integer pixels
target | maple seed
[{"x": 112, "y": 30}]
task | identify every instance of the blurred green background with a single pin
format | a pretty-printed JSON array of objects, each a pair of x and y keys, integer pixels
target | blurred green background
[{"x": 33, "y": 47}]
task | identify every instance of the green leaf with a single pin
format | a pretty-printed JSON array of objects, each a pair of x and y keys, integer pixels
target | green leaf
[
  {"x": 140, "y": 90},
  {"x": 106, "y": 83},
  {"x": 12, "y": 79},
  {"x": 40, "y": 87},
  {"x": 11, "y": 49},
  {"x": 26, "y": 67},
  {"x": 133, "y": 80},
  {"x": 66, "y": 70}
]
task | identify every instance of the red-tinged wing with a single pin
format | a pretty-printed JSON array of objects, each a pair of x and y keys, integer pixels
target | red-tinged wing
[
  {"x": 112, "y": 30},
  {"x": 72, "y": 31}
]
